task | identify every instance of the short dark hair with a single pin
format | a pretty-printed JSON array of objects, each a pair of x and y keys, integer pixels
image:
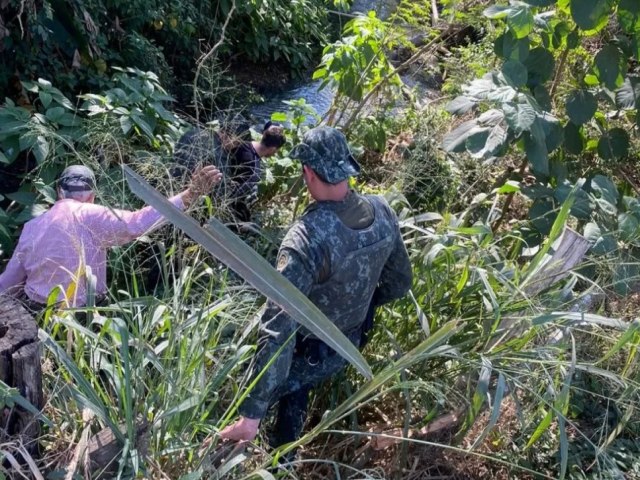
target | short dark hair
[{"x": 273, "y": 135}]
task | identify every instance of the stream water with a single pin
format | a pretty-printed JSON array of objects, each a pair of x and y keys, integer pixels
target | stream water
[{"x": 320, "y": 100}]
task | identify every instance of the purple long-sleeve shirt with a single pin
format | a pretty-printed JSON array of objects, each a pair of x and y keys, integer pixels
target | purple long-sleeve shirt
[{"x": 55, "y": 247}]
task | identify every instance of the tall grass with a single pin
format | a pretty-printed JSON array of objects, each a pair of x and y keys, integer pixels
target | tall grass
[
  {"x": 162, "y": 369},
  {"x": 178, "y": 364}
]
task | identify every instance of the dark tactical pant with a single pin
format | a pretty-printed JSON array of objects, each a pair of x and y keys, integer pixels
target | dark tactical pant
[{"x": 313, "y": 362}]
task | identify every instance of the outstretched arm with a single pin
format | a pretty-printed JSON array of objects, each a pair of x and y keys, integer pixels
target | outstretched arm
[{"x": 117, "y": 227}]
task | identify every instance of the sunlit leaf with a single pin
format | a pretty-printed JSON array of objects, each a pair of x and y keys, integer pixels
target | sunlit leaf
[
  {"x": 610, "y": 66},
  {"x": 592, "y": 15},
  {"x": 230, "y": 249},
  {"x": 614, "y": 144}
]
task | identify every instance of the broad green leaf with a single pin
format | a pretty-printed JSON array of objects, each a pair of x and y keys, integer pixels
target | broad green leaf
[
  {"x": 480, "y": 88},
  {"x": 604, "y": 188},
  {"x": 520, "y": 20},
  {"x": 486, "y": 142},
  {"x": 507, "y": 46},
  {"x": 519, "y": 116},
  {"x": 603, "y": 242},
  {"x": 460, "y": 105},
  {"x": 614, "y": 144},
  {"x": 581, "y": 106},
  {"x": 629, "y": 227},
  {"x": 542, "y": 96},
  {"x": 455, "y": 140},
  {"x": 628, "y": 95},
  {"x": 515, "y": 72},
  {"x": 231, "y": 250},
  {"x": 510, "y": 186},
  {"x": 610, "y": 66},
  {"x": 45, "y": 98},
  {"x": 537, "y": 154},
  {"x": 497, "y": 11},
  {"x": 476, "y": 141},
  {"x": 4, "y": 159},
  {"x": 23, "y": 198},
  {"x": 553, "y": 132},
  {"x": 502, "y": 94},
  {"x": 582, "y": 207},
  {"x": 629, "y": 16},
  {"x": 40, "y": 149},
  {"x": 591, "y": 15},
  {"x": 573, "y": 139},
  {"x": 54, "y": 114},
  {"x": 542, "y": 215},
  {"x": 536, "y": 190},
  {"x": 319, "y": 73},
  {"x": 125, "y": 124},
  {"x": 540, "y": 64},
  {"x": 560, "y": 33},
  {"x": 279, "y": 117}
]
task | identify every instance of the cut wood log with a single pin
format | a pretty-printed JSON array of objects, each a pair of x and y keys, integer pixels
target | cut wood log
[
  {"x": 104, "y": 449},
  {"x": 20, "y": 368},
  {"x": 567, "y": 253}
]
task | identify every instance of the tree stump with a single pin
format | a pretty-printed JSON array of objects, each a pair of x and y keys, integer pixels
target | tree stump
[{"x": 20, "y": 368}]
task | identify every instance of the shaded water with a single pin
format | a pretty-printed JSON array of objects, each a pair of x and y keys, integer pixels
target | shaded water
[{"x": 320, "y": 100}]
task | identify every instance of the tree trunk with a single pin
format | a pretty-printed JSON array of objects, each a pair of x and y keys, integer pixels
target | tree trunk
[{"x": 20, "y": 368}]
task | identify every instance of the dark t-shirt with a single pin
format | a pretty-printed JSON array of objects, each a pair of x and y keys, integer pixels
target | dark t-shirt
[{"x": 244, "y": 171}]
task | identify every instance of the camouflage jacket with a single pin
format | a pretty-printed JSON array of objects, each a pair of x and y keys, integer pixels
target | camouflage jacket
[{"x": 342, "y": 262}]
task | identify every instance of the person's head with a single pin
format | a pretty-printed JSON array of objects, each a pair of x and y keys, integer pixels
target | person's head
[
  {"x": 327, "y": 162},
  {"x": 77, "y": 182},
  {"x": 272, "y": 139}
]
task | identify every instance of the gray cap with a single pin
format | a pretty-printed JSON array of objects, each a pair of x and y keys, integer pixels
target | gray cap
[
  {"x": 77, "y": 178},
  {"x": 326, "y": 151}
]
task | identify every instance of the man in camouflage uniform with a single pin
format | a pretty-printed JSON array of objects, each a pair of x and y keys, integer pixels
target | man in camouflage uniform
[{"x": 347, "y": 255}]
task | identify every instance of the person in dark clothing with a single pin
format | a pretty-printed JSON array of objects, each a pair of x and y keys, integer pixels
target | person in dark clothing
[
  {"x": 245, "y": 169},
  {"x": 346, "y": 253},
  {"x": 239, "y": 161}
]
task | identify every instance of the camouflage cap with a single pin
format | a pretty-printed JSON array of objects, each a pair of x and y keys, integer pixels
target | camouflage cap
[
  {"x": 77, "y": 178},
  {"x": 326, "y": 151}
]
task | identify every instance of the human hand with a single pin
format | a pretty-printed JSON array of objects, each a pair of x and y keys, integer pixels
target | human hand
[
  {"x": 244, "y": 430},
  {"x": 202, "y": 182}
]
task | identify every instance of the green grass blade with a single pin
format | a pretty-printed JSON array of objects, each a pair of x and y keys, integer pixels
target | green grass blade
[{"x": 230, "y": 249}]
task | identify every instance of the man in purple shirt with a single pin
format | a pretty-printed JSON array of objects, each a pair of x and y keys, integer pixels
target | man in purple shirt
[{"x": 61, "y": 246}]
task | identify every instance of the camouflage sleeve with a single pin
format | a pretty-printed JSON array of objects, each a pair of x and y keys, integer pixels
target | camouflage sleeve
[
  {"x": 396, "y": 277},
  {"x": 277, "y": 330}
]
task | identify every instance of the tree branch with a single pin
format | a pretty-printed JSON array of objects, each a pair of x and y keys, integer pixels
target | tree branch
[{"x": 207, "y": 56}]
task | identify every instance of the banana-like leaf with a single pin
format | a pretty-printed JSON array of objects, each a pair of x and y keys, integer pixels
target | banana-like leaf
[{"x": 242, "y": 259}]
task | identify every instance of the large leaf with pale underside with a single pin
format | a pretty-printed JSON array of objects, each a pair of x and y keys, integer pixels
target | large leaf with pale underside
[{"x": 242, "y": 259}]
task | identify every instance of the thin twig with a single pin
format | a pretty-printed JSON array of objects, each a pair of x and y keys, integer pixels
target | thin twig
[
  {"x": 508, "y": 201},
  {"x": 556, "y": 80},
  {"x": 206, "y": 57},
  {"x": 390, "y": 75}
]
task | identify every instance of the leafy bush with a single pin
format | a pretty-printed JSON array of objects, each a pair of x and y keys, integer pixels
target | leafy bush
[{"x": 78, "y": 41}]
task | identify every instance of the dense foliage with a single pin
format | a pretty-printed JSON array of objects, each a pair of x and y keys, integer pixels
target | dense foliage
[
  {"x": 533, "y": 374},
  {"x": 77, "y": 42}
]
